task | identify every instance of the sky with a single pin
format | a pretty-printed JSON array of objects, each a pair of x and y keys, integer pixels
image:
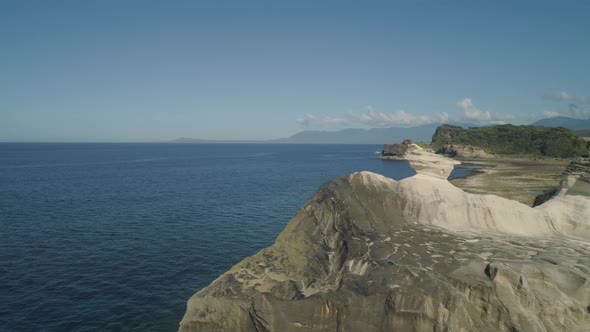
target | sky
[{"x": 134, "y": 71}]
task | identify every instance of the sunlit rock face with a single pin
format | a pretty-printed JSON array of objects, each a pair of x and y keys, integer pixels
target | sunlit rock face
[{"x": 367, "y": 253}]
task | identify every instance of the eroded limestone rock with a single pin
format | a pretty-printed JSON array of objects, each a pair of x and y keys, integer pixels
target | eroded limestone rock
[
  {"x": 464, "y": 151},
  {"x": 575, "y": 181},
  {"x": 367, "y": 253}
]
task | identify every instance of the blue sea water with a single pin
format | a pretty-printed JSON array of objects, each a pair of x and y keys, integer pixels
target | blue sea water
[{"x": 117, "y": 237}]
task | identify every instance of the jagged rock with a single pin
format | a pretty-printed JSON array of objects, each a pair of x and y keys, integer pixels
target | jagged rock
[
  {"x": 580, "y": 169},
  {"x": 576, "y": 180},
  {"x": 407, "y": 141},
  {"x": 394, "y": 150},
  {"x": 367, "y": 253}
]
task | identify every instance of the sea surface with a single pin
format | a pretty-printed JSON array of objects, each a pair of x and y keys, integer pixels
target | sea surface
[{"x": 117, "y": 237}]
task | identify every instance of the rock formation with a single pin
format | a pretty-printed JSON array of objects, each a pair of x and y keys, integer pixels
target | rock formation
[
  {"x": 464, "y": 151},
  {"x": 367, "y": 253},
  {"x": 577, "y": 170},
  {"x": 544, "y": 197},
  {"x": 395, "y": 151},
  {"x": 576, "y": 180}
]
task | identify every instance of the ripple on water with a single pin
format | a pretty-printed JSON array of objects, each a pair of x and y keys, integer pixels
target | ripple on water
[{"x": 119, "y": 236}]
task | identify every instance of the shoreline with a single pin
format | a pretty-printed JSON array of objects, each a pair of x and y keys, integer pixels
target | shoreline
[
  {"x": 473, "y": 171},
  {"x": 516, "y": 179}
]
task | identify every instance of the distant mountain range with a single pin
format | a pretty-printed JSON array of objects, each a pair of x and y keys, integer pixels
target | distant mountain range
[
  {"x": 388, "y": 135},
  {"x": 562, "y": 121},
  {"x": 348, "y": 136},
  {"x": 367, "y": 136},
  {"x": 580, "y": 126}
]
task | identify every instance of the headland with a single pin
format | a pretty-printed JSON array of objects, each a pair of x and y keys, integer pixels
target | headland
[{"x": 370, "y": 253}]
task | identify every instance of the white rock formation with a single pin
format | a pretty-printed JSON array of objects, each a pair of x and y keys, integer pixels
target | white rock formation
[
  {"x": 368, "y": 253},
  {"x": 432, "y": 200}
]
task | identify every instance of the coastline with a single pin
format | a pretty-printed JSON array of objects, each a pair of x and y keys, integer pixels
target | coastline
[
  {"x": 363, "y": 240},
  {"x": 516, "y": 179}
]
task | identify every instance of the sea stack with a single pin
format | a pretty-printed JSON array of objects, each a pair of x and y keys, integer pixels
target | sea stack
[{"x": 368, "y": 253}]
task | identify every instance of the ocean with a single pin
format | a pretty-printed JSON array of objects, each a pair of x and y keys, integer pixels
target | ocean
[{"x": 117, "y": 237}]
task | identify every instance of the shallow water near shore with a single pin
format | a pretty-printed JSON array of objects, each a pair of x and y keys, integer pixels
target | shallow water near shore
[{"x": 119, "y": 236}]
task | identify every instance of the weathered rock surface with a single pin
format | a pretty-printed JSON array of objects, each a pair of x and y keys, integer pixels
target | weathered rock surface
[
  {"x": 576, "y": 180},
  {"x": 394, "y": 150},
  {"x": 579, "y": 169},
  {"x": 544, "y": 197},
  {"x": 464, "y": 151},
  {"x": 367, "y": 253}
]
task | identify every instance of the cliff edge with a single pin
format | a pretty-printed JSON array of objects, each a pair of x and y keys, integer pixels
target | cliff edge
[{"x": 368, "y": 253}]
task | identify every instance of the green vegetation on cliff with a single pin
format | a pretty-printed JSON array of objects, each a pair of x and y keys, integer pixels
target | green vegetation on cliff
[{"x": 512, "y": 140}]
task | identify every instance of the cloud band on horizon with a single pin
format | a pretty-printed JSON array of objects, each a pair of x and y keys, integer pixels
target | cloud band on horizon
[{"x": 468, "y": 112}]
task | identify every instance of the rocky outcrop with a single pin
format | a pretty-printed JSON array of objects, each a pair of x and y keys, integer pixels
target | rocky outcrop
[
  {"x": 367, "y": 253},
  {"x": 579, "y": 169},
  {"x": 464, "y": 151},
  {"x": 572, "y": 200},
  {"x": 394, "y": 150},
  {"x": 544, "y": 197},
  {"x": 423, "y": 161},
  {"x": 576, "y": 180}
]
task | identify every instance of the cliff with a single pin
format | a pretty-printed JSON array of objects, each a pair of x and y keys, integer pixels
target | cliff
[
  {"x": 367, "y": 253},
  {"x": 524, "y": 141}
]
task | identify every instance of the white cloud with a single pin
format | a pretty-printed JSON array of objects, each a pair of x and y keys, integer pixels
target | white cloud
[
  {"x": 550, "y": 114},
  {"x": 470, "y": 112},
  {"x": 396, "y": 118},
  {"x": 373, "y": 118},
  {"x": 572, "y": 111},
  {"x": 564, "y": 96},
  {"x": 559, "y": 96},
  {"x": 310, "y": 120}
]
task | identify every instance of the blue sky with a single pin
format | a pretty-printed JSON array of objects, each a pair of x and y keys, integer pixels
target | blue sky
[{"x": 157, "y": 70}]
